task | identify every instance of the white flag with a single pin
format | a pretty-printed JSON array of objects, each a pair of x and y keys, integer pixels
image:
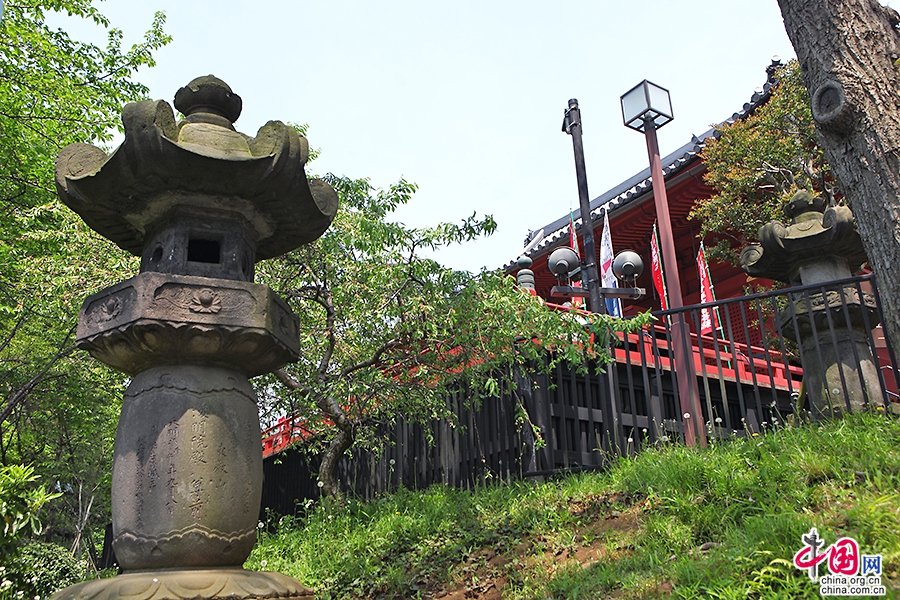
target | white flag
[{"x": 613, "y": 305}]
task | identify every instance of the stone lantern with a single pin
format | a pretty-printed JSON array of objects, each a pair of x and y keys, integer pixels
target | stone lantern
[
  {"x": 200, "y": 203},
  {"x": 820, "y": 244}
]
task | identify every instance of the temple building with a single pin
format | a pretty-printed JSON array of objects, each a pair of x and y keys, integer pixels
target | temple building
[
  {"x": 632, "y": 215},
  {"x": 808, "y": 351}
]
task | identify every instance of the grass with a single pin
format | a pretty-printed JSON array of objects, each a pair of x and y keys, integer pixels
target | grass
[{"x": 722, "y": 522}]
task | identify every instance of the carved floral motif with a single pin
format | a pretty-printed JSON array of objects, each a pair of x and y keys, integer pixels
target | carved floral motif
[
  {"x": 107, "y": 307},
  {"x": 110, "y": 309},
  {"x": 205, "y": 301}
]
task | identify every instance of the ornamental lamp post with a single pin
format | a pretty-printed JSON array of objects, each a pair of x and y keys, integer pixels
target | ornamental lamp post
[
  {"x": 564, "y": 261},
  {"x": 627, "y": 266},
  {"x": 645, "y": 108}
]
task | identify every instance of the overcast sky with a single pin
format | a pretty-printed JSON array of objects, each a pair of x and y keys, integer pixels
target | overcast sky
[{"x": 466, "y": 98}]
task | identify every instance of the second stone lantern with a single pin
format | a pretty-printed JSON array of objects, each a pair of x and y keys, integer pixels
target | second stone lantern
[
  {"x": 200, "y": 203},
  {"x": 819, "y": 244}
]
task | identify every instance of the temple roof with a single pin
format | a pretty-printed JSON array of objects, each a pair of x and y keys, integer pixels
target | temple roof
[{"x": 639, "y": 186}]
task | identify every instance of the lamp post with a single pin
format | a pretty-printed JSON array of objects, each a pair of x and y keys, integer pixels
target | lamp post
[
  {"x": 627, "y": 266},
  {"x": 645, "y": 108},
  {"x": 572, "y": 126}
]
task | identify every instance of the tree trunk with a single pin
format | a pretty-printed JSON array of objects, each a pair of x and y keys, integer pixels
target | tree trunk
[
  {"x": 342, "y": 442},
  {"x": 847, "y": 50},
  {"x": 327, "y": 470}
]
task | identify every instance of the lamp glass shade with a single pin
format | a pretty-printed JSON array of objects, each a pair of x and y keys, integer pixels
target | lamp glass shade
[{"x": 646, "y": 100}]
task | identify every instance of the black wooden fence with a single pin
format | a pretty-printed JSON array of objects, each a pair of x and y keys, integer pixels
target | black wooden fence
[{"x": 745, "y": 377}]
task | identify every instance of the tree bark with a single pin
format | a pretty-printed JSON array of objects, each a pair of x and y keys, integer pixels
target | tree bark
[
  {"x": 847, "y": 50},
  {"x": 331, "y": 487},
  {"x": 342, "y": 442}
]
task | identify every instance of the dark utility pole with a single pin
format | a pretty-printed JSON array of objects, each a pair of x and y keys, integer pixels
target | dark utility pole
[
  {"x": 572, "y": 126},
  {"x": 590, "y": 277}
]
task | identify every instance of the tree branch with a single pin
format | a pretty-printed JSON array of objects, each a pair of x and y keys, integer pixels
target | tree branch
[
  {"x": 325, "y": 402},
  {"x": 19, "y": 395},
  {"x": 326, "y": 300},
  {"x": 12, "y": 334},
  {"x": 374, "y": 360},
  {"x": 291, "y": 382}
]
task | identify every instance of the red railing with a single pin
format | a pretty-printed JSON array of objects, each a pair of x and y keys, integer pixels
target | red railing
[
  {"x": 284, "y": 433},
  {"x": 712, "y": 357}
]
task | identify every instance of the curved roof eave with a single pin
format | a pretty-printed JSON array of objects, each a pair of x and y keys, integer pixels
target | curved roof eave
[{"x": 634, "y": 187}]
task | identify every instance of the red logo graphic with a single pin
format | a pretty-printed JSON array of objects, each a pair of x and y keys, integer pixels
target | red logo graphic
[{"x": 842, "y": 556}]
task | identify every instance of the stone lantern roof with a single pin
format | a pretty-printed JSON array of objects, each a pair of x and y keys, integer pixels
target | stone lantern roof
[
  {"x": 814, "y": 234},
  {"x": 200, "y": 162}
]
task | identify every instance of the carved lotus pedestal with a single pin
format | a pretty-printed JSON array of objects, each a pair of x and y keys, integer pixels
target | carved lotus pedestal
[
  {"x": 156, "y": 319},
  {"x": 189, "y": 584}
]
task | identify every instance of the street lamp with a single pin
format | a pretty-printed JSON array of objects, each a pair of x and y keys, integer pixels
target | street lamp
[
  {"x": 643, "y": 101},
  {"x": 645, "y": 108},
  {"x": 590, "y": 278},
  {"x": 627, "y": 266}
]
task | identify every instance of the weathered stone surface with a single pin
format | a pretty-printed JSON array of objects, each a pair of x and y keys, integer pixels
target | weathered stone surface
[
  {"x": 200, "y": 162},
  {"x": 834, "y": 344},
  {"x": 843, "y": 373},
  {"x": 200, "y": 203},
  {"x": 202, "y": 243},
  {"x": 157, "y": 319},
  {"x": 820, "y": 245},
  {"x": 818, "y": 311},
  {"x": 234, "y": 584},
  {"x": 187, "y": 469}
]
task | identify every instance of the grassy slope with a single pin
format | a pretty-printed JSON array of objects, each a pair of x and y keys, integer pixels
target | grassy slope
[{"x": 717, "y": 523}]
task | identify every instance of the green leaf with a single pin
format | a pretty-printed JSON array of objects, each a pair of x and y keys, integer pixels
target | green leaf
[{"x": 756, "y": 164}]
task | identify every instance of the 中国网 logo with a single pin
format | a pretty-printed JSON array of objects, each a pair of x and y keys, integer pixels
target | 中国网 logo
[{"x": 849, "y": 572}]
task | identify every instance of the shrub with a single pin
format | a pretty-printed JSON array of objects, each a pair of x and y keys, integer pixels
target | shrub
[
  {"x": 20, "y": 501},
  {"x": 39, "y": 569}
]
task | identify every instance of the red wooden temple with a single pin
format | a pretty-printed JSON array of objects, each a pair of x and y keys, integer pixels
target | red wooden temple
[
  {"x": 632, "y": 214},
  {"x": 743, "y": 360}
]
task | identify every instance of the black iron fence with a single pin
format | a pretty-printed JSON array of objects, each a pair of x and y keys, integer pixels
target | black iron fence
[{"x": 797, "y": 353}]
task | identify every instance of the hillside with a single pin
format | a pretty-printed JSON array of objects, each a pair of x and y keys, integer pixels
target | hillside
[{"x": 724, "y": 522}]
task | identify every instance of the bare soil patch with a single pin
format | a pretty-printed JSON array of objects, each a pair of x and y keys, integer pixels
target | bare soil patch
[{"x": 606, "y": 523}]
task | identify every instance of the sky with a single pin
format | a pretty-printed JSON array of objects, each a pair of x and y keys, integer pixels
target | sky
[{"x": 465, "y": 98}]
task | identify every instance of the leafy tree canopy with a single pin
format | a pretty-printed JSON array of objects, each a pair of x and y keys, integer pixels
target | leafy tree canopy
[
  {"x": 757, "y": 163},
  {"x": 58, "y": 408},
  {"x": 386, "y": 332}
]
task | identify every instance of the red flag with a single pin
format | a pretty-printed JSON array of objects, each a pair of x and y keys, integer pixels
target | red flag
[
  {"x": 708, "y": 318},
  {"x": 659, "y": 280},
  {"x": 573, "y": 242}
]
